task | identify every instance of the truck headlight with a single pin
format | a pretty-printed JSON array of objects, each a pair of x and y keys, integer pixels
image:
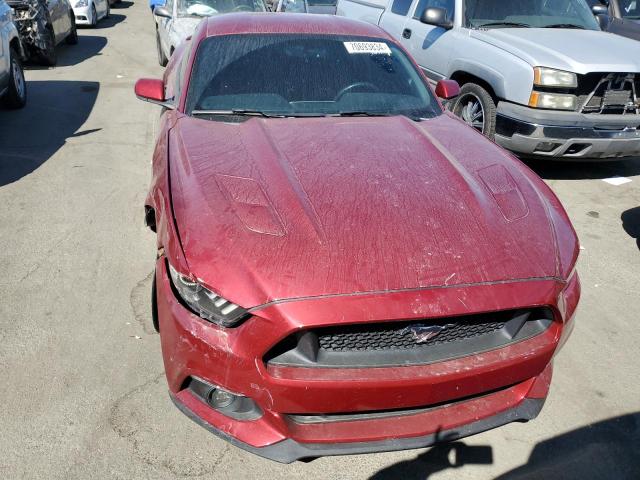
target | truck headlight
[
  {"x": 555, "y": 101},
  {"x": 549, "y": 77},
  {"x": 205, "y": 303}
]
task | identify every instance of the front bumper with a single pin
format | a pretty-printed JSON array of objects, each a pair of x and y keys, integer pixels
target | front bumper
[
  {"x": 442, "y": 401},
  {"x": 563, "y": 135},
  {"x": 83, "y": 15}
]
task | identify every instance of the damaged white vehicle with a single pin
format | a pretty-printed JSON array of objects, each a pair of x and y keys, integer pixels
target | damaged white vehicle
[
  {"x": 42, "y": 25},
  {"x": 177, "y": 19}
]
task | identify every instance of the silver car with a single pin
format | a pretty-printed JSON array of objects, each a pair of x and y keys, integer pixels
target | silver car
[
  {"x": 177, "y": 19},
  {"x": 13, "y": 90}
]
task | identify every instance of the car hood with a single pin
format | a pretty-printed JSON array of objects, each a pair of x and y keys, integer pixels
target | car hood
[
  {"x": 579, "y": 51},
  {"x": 272, "y": 209}
]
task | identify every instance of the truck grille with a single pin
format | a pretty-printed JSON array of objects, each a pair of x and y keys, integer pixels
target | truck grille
[
  {"x": 408, "y": 342},
  {"x": 611, "y": 93}
]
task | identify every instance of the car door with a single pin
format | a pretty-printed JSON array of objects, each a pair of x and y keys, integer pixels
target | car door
[
  {"x": 394, "y": 19},
  {"x": 431, "y": 46},
  {"x": 164, "y": 26}
]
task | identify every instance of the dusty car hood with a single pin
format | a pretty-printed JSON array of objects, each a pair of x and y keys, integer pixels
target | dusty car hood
[
  {"x": 580, "y": 51},
  {"x": 286, "y": 208}
]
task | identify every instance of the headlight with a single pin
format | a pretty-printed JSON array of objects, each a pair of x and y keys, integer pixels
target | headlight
[
  {"x": 556, "y": 101},
  {"x": 204, "y": 302},
  {"x": 82, "y": 3},
  {"x": 548, "y": 77}
]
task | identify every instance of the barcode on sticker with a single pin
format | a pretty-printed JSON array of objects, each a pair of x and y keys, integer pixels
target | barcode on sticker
[{"x": 376, "y": 48}]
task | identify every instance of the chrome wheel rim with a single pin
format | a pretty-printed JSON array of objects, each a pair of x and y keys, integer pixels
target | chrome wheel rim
[
  {"x": 472, "y": 111},
  {"x": 18, "y": 79}
]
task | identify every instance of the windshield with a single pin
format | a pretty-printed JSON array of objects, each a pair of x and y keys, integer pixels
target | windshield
[
  {"x": 206, "y": 8},
  {"x": 306, "y": 75},
  {"x": 322, "y": 2},
  {"x": 630, "y": 9},
  {"x": 529, "y": 13}
]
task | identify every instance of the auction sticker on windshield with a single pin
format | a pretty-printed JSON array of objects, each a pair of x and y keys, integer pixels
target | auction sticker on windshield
[{"x": 379, "y": 48}]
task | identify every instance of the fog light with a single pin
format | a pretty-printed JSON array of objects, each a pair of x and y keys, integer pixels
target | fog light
[
  {"x": 219, "y": 398},
  {"x": 546, "y": 147},
  {"x": 233, "y": 405}
]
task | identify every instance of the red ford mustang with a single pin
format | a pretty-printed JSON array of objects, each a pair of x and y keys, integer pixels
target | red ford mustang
[{"x": 344, "y": 267}]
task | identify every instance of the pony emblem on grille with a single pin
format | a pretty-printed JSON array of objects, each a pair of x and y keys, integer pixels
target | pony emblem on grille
[{"x": 424, "y": 333}]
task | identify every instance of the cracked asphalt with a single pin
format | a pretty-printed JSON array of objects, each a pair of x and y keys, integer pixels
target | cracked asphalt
[{"x": 82, "y": 390}]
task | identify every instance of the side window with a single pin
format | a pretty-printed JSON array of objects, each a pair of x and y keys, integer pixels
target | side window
[
  {"x": 401, "y": 7},
  {"x": 448, "y": 5}
]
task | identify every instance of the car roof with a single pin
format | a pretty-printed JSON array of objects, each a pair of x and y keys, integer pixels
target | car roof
[{"x": 248, "y": 23}]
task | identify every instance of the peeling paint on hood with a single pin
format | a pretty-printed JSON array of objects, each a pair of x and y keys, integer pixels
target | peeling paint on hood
[{"x": 364, "y": 204}]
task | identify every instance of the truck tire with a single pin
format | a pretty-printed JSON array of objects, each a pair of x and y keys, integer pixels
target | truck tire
[
  {"x": 162, "y": 59},
  {"x": 16, "y": 96},
  {"x": 476, "y": 107}
]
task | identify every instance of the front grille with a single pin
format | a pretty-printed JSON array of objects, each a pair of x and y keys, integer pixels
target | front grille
[
  {"x": 609, "y": 93},
  {"x": 408, "y": 342},
  {"x": 392, "y": 336}
]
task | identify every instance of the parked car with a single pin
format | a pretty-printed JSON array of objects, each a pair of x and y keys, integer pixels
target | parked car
[
  {"x": 538, "y": 76},
  {"x": 337, "y": 255},
  {"x": 90, "y": 12},
  {"x": 621, "y": 17},
  {"x": 13, "y": 88},
  {"x": 306, "y": 6},
  {"x": 177, "y": 20},
  {"x": 42, "y": 25}
]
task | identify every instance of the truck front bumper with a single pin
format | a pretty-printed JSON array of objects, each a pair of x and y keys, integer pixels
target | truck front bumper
[{"x": 563, "y": 135}]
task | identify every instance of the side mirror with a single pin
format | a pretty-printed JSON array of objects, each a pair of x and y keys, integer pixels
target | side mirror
[
  {"x": 447, "y": 89},
  {"x": 438, "y": 17},
  {"x": 151, "y": 90},
  {"x": 162, "y": 11},
  {"x": 601, "y": 13},
  {"x": 600, "y": 10}
]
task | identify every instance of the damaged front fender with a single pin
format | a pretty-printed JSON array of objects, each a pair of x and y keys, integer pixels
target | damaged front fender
[{"x": 33, "y": 21}]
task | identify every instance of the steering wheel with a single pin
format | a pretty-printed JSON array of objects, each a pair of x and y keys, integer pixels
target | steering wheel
[
  {"x": 353, "y": 86},
  {"x": 242, "y": 8}
]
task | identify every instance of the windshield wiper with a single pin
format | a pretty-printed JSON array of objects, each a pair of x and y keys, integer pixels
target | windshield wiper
[
  {"x": 505, "y": 24},
  {"x": 236, "y": 111},
  {"x": 360, "y": 113},
  {"x": 565, "y": 25}
]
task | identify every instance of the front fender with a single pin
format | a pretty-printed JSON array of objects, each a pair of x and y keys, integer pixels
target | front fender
[{"x": 510, "y": 77}]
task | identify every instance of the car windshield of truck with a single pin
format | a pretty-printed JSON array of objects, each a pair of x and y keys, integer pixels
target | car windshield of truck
[
  {"x": 630, "y": 9},
  {"x": 292, "y": 75},
  {"x": 574, "y": 14},
  {"x": 206, "y": 8}
]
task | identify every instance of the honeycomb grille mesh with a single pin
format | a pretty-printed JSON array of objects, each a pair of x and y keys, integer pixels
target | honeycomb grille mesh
[{"x": 397, "y": 336}]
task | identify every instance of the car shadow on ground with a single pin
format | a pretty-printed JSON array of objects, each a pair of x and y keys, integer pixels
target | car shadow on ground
[
  {"x": 68, "y": 55},
  {"x": 631, "y": 224},
  {"x": 112, "y": 21},
  {"x": 603, "y": 450},
  {"x": 29, "y": 137},
  {"x": 123, "y": 4},
  {"x": 594, "y": 170}
]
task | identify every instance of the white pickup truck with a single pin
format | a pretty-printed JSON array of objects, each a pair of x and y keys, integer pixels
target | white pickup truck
[{"x": 538, "y": 76}]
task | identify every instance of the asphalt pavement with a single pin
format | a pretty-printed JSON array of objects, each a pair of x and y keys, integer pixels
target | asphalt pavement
[{"x": 82, "y": 391}]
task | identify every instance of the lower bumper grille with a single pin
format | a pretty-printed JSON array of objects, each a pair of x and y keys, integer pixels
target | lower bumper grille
[{"x": 408, "y": 342}]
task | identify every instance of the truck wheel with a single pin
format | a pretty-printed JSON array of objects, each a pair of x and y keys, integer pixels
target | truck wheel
[
  {"x": 72, "y": 38},
  {"x": 476, "y": 107},
  {"x": 162, "y": 59},
  {"x": 17, "y": 93},
  {"x": 47, "y": 55}
]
